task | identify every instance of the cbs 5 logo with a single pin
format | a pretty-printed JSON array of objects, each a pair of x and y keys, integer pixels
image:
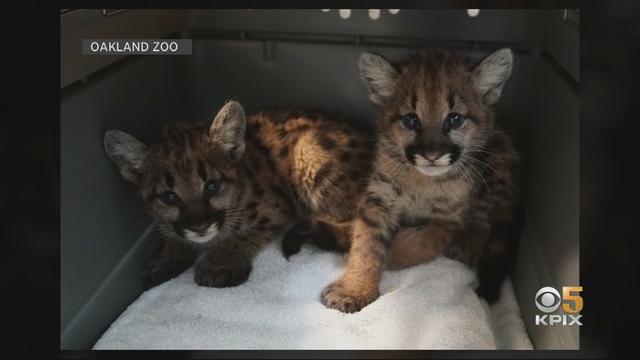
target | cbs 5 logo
[{"x": 548, "y": 299}]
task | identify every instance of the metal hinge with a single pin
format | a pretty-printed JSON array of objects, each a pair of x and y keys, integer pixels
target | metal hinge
[
  {"x": 571, "y": 17},
  {"x": 109, "y": 12}
]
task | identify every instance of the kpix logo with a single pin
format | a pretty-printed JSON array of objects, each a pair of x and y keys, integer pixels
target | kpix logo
[{"x": 548, "y": 300}]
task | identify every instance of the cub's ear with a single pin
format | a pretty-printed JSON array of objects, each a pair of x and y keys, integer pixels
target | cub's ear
[
  {"x": 490, "y": 75},
  {"x": 227, "y": 129},
  {"x": 127, "y": 152},
  {"x": 379, "y": 76}
]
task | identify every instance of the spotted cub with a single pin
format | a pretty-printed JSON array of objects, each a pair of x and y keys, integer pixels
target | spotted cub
[
  {"x": 219, "y": 191},
  {"x": 445, "y": 178}
]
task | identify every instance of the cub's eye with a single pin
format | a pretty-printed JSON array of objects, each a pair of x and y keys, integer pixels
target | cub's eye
[
  {"x": 453, "y": 121},
  {"x": 170, "y": 198},
  {"x": 410, "y": 121},
  {"x": 210, "y": 189}
]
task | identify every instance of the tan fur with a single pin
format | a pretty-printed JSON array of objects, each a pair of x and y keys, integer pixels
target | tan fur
[
  {"x": 308, "y": 158},
  {"x": 271, "y": 170},
  {"x": 416, "y": 245},
  {"x": 358, "y": 286},
  {"x": 466, "y": 207}
]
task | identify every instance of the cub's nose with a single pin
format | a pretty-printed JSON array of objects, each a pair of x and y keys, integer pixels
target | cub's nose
[
  {"x": 432, "y": 156},
  {"x": 200, "y": 227}
]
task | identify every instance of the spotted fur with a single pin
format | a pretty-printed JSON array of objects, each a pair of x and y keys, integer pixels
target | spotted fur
[
  {"x": 220, "y": 191},
  {"x": 445, "y": 178}
]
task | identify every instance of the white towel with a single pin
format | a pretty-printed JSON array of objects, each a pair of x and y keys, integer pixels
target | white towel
[{"x": 431, "y": 306}]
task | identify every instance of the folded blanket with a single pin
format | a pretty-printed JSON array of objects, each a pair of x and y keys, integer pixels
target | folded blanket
[{"x": 431, "y": 306}]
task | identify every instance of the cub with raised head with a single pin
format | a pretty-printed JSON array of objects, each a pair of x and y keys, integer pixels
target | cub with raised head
[
  {"x": 220, "y": 191},
  {"x": 444, "y": 179}
]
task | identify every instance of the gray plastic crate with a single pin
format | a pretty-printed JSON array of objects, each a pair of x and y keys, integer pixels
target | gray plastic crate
[{"x": 310, "y": 57}]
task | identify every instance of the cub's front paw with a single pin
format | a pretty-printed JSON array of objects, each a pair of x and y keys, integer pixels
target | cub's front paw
[
  {"x": 159, "y": 271},
  {"x": 337, "y": 296},
  {"x": 221, "y": 275}
]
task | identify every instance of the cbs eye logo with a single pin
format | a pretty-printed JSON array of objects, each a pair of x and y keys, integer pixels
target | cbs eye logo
[{"x": 548, "y": 300}]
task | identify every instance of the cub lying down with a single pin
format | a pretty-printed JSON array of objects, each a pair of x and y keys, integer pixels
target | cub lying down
[{"x": 219, "y": 191}]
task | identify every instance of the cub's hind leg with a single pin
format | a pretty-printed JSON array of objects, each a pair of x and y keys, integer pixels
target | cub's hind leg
[
  {"x": 498, "y": 260},
  {"x": 420, "y": 244},
  {"x": 490, "y": 250},
  {"x": 330, "y": 168}
]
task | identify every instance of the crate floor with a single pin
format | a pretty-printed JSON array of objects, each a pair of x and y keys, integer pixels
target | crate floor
[{"x": 431, "y": 306}]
